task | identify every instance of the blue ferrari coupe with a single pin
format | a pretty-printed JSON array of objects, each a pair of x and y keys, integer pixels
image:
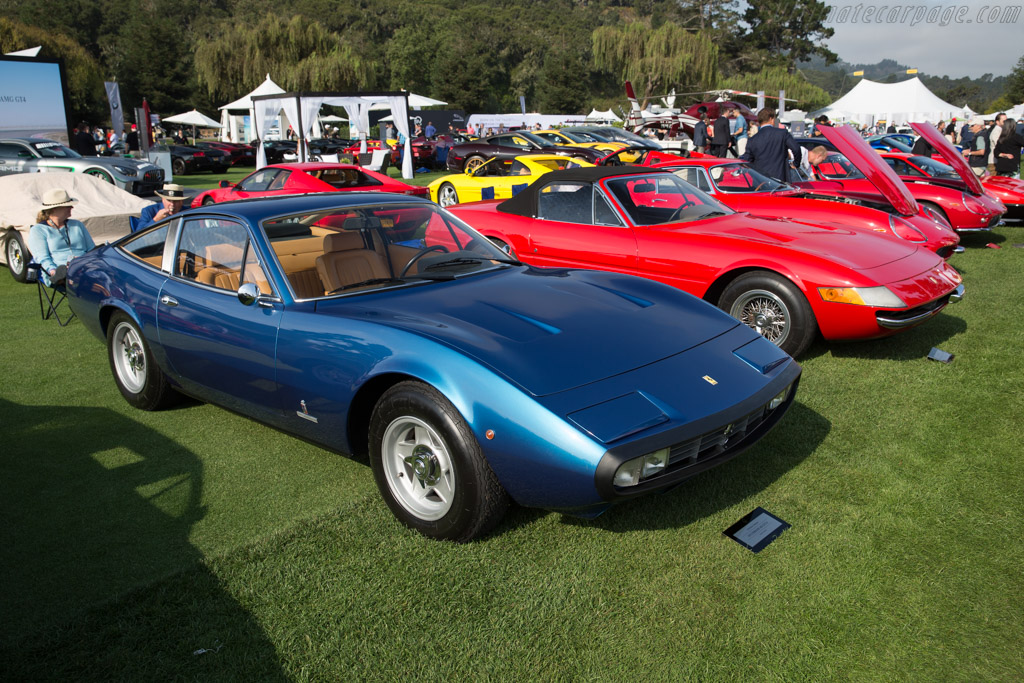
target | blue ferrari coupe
[{"x": 381, "y": 324}]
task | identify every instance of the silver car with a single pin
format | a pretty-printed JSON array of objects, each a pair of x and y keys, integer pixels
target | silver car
[{"x": 39, "y": 155}]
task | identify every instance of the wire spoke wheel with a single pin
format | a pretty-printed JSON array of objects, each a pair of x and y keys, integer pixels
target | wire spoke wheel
[{"x": 766, "y": 313}]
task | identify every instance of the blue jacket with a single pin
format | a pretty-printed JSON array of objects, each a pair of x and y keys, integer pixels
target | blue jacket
[
  {"x": 146, "y": 216},
  {"x": 51, "y": 247},
  {"x": 768, "y": 151}
]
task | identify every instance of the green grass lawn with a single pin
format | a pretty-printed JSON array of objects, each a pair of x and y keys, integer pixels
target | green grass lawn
[{"x": 133, "y": 541}]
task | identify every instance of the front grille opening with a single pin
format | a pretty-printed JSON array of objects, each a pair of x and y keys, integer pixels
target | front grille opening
[{"x": 715, "y": 442}]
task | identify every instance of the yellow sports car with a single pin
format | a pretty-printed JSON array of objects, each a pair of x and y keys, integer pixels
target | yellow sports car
[
  {"x": 497, "y": 178},
  {"x": 561, "y": 137}
]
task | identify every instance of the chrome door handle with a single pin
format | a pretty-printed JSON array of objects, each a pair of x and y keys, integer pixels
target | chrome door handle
[{"x": 168, "y": 300}]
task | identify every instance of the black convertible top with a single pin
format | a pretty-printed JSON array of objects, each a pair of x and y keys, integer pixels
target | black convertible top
[{"x": 525, "y": 203}]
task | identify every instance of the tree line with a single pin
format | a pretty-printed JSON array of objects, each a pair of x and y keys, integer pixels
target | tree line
[{"x": 563, "y": 56}]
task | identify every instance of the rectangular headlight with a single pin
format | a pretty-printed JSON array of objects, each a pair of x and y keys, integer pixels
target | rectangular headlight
[
  {"x": 778, "y": 399},
  {"x": 879, "y": 297}
]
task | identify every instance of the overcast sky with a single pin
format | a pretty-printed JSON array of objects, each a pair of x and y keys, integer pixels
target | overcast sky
[{"x": 914, "y": 34}]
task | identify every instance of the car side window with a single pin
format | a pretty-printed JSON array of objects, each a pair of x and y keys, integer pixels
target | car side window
[
  {"x": 213, "y": 252},
  {"x": 148, "y": 245},
  {"x": 260, "y": 180},
  {"x": 10, "y": 151},
  {"x": 604, "y": 214},
  {"x": 279, "y": 180},
  {"x": 566, "y": 202}
]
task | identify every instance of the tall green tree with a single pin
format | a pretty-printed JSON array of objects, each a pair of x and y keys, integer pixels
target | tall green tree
[
  {"x": 772, "y": 79},
  {"x": 656, "y": 60},
  {"x": 788, "y": 31},
  {"x": 298, "y": 53},
  {"x": 1015, "y": 83}
]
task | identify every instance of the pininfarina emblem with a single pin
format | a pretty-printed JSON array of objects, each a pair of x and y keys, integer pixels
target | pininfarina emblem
[{"x": 710, "y": 380}]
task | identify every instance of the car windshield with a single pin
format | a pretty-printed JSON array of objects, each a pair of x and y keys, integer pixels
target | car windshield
[
  {"x": 628, "y": 136},
  {"x": 837, "y": 166},
  {"x": 657, "y": 199},
  {"x": 55, "y": 150},
  {"x": 935, "y": 169},
  {"x": 359, "y": 249},
  {"x": 743, "y": 178}
]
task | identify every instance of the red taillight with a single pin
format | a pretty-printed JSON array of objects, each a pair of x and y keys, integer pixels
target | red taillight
[
  {"x": 199, "y": 154},
  {"x": 905, "y": 230}
]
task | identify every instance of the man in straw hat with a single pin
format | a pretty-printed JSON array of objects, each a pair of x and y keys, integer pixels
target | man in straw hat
[
  {"x": 55, "y": 239},
  {"x": 172, "y": 197}
]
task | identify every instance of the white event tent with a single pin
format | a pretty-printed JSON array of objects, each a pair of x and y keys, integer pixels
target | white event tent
[
  {"x": 608, "y": 116},
  {"x": 896, "y": 103},
  {"x": 302, "y": 108},
  {"x": 229, "y": 123}
]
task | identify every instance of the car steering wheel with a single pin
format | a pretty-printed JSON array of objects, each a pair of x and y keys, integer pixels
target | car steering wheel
[
  {"x": 422, "y": 252},
  {"x": 678, "y": 213},
  {"x": 759, "y": 186}
]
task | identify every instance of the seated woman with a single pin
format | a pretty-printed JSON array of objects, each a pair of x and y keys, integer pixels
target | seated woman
[{"x": 55, "y": 239}]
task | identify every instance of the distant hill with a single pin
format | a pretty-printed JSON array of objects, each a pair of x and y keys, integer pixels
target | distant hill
[{"x": 836, "y": 80}]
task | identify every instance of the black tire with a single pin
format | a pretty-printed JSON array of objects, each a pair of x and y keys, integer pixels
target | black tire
[
  {"x": 207, "y": 201},
  {"x": 178, "y": 167},
  {"x": 443, "y": 488},
  {"x": 17, "y": 256},
  {"x": 137, "y": 376},
  {"x": 474, "y": 162},
  {"x": 774, "y": 307},
  {"x": 447, "y": 195}
]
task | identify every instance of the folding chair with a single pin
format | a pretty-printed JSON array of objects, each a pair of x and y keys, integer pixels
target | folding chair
[{"x": 50, "y": 298}]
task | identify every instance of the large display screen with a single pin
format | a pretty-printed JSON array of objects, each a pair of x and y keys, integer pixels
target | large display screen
[{"x": 33, "y": 99}]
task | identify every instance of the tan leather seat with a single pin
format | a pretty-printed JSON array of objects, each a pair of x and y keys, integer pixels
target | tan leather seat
[{"x": 346, "y": 261}]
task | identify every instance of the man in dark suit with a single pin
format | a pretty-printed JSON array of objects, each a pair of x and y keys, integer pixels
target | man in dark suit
[
  {"x": 768, "y": 150},
  {"x": 721, "y": 137},
  {"x": 85, "y": 143}
]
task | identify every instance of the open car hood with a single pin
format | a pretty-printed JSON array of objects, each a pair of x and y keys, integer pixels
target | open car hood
[
  {"x": 868, "y": 162},
  {"x": 949, "y": 153}
]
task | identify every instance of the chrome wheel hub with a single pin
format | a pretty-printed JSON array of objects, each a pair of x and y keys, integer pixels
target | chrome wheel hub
[{"x": 765, "y": 312}]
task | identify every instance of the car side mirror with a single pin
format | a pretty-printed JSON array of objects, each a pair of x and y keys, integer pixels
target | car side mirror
[
  {"x": 248, "y": 293},
  {"x": 224, "y": 183}
]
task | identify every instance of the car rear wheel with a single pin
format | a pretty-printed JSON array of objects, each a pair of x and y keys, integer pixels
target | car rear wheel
[
  {"x": 474, "y": 162},
  {"x": 773, "y": 307},
  {"x": 447, "y": 196},
  {"x": 138, "y": 378},
  {"x": 178, "y": 166},
  {"x": 430, "y": 468},
  {"x": 17, "y": 256},
  {"x": 101, "y": 174}
]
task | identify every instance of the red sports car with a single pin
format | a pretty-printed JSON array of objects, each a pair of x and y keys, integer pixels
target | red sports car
[
  {"x": 889, "y": 210},
  {"x": 787, "y": 280},
  {"x": 916, "y": 168},
  {"x": 966, "y": 210},
  {"x": 281, "y": 179}
]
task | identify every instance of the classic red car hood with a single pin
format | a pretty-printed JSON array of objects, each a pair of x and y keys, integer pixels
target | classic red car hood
[
  {"x": 868, "y": 162},
  {"x": 952, "y": 157},
  {"x": 838, "y": 243}
]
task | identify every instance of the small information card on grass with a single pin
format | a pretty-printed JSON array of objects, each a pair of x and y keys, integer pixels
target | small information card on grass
[{"x": 756, "y": 530}]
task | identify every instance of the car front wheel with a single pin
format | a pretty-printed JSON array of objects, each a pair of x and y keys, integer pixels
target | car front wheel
[
  {"x": 772, "y": 306},
  {"x": 17, "y": 256},
  {"x": 447, "y": 196},
  {"x": 430, "y": 468},
  {"x": 138, "y": 378}
]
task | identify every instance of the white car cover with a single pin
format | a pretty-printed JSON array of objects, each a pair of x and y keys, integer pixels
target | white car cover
[{"x": 103, "y": 207}]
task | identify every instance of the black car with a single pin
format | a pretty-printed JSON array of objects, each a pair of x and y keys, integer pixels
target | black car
[
  {"x": 470, "y": 155},
  {"x": 238, "y": 155},
  {"x": 186, "y": 159}
]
